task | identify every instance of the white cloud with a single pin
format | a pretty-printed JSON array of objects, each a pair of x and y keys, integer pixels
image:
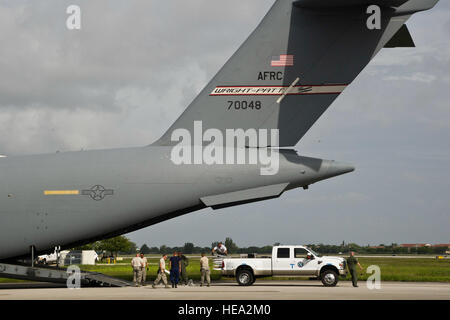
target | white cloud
[
  {"x": 418, "y": 77},
  {"x": 337, "y": 198}
]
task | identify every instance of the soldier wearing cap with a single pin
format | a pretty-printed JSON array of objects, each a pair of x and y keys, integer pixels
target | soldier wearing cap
[
  {"x": 204, "y": 270},
  {"x": 352, "y": 262},
  {"x": 183, "y": 271},
  {"x": 144, "y": 269},
  {"x": 161, "y": 272},
  {"x": 137, "y": 264}
]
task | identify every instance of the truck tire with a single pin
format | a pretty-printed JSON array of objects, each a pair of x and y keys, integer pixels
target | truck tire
[
  {"x": 329, "y": 278},
  {"x": 244, "y": 277}
]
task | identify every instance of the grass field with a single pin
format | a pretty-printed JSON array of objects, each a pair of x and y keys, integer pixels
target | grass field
[
  {"x": 392, "y": 269},
  {"x": 409, "y": 269}
]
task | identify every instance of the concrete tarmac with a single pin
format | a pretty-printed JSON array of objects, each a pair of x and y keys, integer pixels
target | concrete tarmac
[{"x": 269, "y": 290}]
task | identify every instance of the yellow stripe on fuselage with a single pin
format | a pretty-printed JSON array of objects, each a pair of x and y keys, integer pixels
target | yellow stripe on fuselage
[{"x": 61, "y": 192}]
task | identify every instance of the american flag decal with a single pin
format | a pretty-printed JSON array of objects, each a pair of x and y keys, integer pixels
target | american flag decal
[{"x": 284, "y": 60}]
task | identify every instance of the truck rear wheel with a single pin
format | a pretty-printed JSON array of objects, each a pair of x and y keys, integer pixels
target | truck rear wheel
[
  {"x": 329, "y": 278},
  {"x": 244, "y": 277}
]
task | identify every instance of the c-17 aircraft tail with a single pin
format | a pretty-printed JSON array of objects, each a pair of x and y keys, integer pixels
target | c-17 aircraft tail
[{"x": 295, "y": 64}]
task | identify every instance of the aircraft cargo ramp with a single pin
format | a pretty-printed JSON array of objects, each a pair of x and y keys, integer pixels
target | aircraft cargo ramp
[{"x": 58, "y": 275}]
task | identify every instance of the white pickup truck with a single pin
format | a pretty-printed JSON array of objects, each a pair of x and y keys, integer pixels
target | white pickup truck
[{"x": 297, "y": 261}]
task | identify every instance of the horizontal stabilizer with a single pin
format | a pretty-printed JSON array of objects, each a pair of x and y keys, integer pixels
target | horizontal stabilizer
[
  {"x": 244, "y": 196},
  {"x": 317, "y": 4},
  {"x": 402, "y": 39}
]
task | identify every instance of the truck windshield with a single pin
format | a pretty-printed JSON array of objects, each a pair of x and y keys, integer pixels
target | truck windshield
[{"x": 314, "y": 253}]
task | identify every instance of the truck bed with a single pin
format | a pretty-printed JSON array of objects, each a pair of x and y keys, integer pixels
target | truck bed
[{"x": 261, "y": 266}]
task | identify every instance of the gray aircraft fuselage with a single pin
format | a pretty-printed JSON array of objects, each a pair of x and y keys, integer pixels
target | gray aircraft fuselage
[{"x": 137, "y": 187}]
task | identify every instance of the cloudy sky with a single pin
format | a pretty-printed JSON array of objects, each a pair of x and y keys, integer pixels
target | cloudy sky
[{"x": 135, "y": 65}]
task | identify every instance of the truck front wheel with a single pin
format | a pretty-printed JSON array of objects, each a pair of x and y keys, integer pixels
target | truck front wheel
[
  {"x": 329, "y": 278},
  {"x": 244, "y": 277}
]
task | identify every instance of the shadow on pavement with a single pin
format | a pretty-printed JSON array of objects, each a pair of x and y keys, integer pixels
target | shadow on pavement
[{"x": 31, "y": 285}]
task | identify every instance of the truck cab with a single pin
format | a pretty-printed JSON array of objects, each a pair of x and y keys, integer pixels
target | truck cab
[{"x": 286, "y": 261}]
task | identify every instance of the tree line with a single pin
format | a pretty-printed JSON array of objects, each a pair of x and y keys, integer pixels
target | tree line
[
  {"x": 123, "y": 245},
  {"x": 380, "y": 249}
]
